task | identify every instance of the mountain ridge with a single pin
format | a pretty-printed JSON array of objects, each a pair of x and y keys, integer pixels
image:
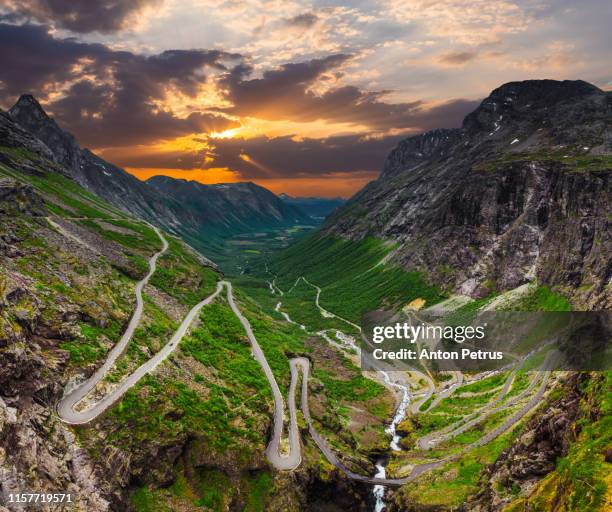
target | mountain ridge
[
  {"x": 204, "y": 228},
  {"x": 317, "y": 207},
  {"x": 520, "y": 192}
]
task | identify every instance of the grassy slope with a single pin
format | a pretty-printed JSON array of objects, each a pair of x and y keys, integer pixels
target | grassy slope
[
  {"x": 350, "y": 275},
  {"x": 211, "y": 391},
  {"x": 179, "y": 272},
  {"x": 582, "y": 479}
]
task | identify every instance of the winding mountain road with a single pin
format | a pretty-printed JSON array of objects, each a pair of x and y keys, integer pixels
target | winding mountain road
[
  {"x": 280, "y": 461},
  {"x": 303, "y": 364},
  {"x": 279, "y": 458},
  {"x": 66, "y": 406}
]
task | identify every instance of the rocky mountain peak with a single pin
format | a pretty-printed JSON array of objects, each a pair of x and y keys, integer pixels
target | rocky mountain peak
[
  {"x": 28, "y": 105},
  {"x": 485, "y": 207},
  {"x": 29, "y": 114},
  {"x": 528, "y": 100}
]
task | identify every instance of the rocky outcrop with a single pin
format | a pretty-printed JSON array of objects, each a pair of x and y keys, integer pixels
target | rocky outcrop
[
  {"x": 37, "y": 451},
  {"x": 16, "y": 198},
  {"x": 521, "y": 192},
  {"x": 66, "y": 152},
  {"x": 545, "y": 438}
]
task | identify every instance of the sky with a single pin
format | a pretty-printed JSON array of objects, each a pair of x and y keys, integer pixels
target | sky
[{"x": 305, "y": 98}]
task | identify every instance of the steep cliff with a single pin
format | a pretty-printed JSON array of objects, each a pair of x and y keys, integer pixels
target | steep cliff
[{"x": 521, "y": 192}]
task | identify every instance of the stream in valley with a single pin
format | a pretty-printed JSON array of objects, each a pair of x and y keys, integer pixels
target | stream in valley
[
  {"x": 348, "y": 341},
  {"x": 381, "y": 465}
]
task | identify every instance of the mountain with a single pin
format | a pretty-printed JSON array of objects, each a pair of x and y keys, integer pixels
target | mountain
[
  {"x": 89, "y": 291},
  {"x": 204, "y": 215},
  {"x": 226, "y": 209},
  {"x": 316, "y": 207},
  {"x": 107, "y": 181},
  {"x": 520, "y": 193}
]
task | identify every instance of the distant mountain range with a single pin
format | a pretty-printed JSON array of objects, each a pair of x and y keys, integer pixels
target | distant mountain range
[
  {"x": 205, "y": 215},
  {"x": 316, "y": 207},
  {"x": 228, "y": 208}
]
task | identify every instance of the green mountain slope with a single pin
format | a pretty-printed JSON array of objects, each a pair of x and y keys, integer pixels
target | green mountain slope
[
  {"x": 194, "y": 432},
  {"x": 206, "y": 216}
]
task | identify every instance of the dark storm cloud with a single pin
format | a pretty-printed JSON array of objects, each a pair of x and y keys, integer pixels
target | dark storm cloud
[
  {"x": 31, "y": 58},
  {"x": 285, "y": 94},
  {"x": 79, "y": 15},
  {"x": 284, "y": 157},
  {"x": 112, "y": 99}
]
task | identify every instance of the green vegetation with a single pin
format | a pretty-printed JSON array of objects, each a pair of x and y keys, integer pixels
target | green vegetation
[
  {"x": 351, "y": 276},
  {"x": 244, "y": 254},
  {"x": 450, "y": 486},
  {"x": 222, "y": 344},
  {"x": 278, "y": 340},
  {"x": 574, "y": 159},
  {"x": 70, "y": 199},
  {"x": 153, "y": 332},
  {"x": 213, "y": 486},
  {"x": 487, "y": 384},
  {"x": 581, "y": 480},
  {"x": 64, "y": 281},
  {"x": 181, "y": 275},
  {"x": 89, "y": 348},
  {"x": 206, "y": 489},
  {"x": 541, "y": 298},
  {"x": 131, "y": 234},
  {"x": 147, "y": 500},
  {"x": 356, "y": 389},
  {"x": 425, "y": 405}
]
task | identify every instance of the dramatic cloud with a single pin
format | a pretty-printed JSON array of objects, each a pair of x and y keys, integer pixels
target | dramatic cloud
[
  {"x": 32, "y": 60},
  {"x": 318, "y": 93},
  {"x": 286, "y": 157},
  {"x": 107, "y": 97},
  {"x": 270, "y": 157},
  {"x": 79, "y": 15},
  {"x": 285, "y": 93}
]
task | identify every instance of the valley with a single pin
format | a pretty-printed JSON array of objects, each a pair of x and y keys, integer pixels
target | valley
[{"x": 199, "y": 347}]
